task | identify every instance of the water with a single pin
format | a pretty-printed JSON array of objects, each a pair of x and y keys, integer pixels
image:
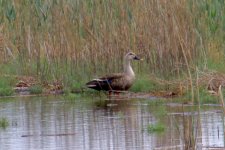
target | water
[{"x": 54, "y": 123}]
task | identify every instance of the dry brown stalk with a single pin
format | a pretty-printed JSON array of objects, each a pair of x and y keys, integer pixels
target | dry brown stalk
[
  {"x": 221, "y": 98},
  {"x": 87, "y": 37}
]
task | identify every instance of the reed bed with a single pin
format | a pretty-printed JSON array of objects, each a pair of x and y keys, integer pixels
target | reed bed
[{"x": 77, "y": 40}]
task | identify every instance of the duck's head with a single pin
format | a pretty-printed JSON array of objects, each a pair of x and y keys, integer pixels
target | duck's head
[{"x": 132, "y": 56}]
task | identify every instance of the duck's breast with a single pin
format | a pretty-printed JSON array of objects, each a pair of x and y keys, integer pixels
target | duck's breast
[{"x": 129, "y": 82}]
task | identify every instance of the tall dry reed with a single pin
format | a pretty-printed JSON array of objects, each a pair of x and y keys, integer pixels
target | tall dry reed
[{"x": 83, "y": 38}]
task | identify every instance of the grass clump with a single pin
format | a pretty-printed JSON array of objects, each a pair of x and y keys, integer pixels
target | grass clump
[
  {"x": 144, "y": 84},
  {"x": 6, "y": 91},
  {"x": 36, "y": 89},
  {"x": 71, "y": 96},
  {"x": 5, "y": 86},
  {"x": 204, "y": 96},
  {"x": 156, "y": 128},
  {"x": 4, "y": 123}
]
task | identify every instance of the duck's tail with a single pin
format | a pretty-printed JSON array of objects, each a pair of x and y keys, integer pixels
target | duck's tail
[{"x": 98, "y": 84}]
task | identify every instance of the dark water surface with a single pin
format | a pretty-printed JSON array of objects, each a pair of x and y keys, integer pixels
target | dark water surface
[{"x": 54, "y": 123}]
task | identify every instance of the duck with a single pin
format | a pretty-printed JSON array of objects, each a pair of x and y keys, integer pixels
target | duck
[{"x": 116, "y": 81}]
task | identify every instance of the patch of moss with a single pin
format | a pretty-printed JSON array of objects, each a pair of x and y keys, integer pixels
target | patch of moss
[{"x": 36, "y": 89}]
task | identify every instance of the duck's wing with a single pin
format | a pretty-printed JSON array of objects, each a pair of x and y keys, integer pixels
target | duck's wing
[
  {"x": 120, "y": 82},
  {"x": 112, "y": 76},
  {"x": 106, "y": 82}
]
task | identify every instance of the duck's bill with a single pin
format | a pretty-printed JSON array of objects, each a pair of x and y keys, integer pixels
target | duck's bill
[{"x": 137, "y": 58}]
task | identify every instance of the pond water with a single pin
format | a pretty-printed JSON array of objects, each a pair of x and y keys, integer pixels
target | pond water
[{"x": 55, "y": 123}]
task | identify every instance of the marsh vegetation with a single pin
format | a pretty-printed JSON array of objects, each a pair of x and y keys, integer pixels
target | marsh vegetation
[
  {"x": 60, "y": 45},
  {"x": 74, "y": 41}
]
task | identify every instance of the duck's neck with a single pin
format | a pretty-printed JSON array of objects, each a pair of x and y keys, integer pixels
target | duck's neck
[{"x": 128, "y": 69}]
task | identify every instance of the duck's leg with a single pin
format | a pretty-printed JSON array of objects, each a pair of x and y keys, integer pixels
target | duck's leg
[
  {"x": 109, "y": 94},
  {"x": 113, "y": 94}
]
